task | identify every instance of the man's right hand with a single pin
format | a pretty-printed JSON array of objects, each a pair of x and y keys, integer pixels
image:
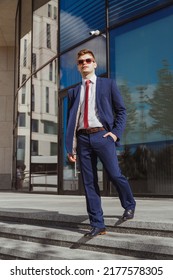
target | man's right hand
[{"x": 72, "y": 158}]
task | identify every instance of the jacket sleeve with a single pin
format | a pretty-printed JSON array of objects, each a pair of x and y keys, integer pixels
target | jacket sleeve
[
  {"x": 69, "y": 102},
  {"x": 72, "y": 117},
  {"x": 119, "y": 111}
]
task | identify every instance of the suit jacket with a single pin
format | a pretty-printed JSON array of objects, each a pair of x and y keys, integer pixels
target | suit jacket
[{"x": 111, "y": 110}]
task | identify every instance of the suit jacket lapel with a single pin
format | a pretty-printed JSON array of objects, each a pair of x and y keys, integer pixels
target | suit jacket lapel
[
  {"x": 99, "y": 92},
  {"x": 98, "y": 89},
  {"x": 77, "y": 91}
]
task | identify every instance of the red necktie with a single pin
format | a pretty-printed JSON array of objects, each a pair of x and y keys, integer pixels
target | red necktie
[{"x": 86, "y": 104}]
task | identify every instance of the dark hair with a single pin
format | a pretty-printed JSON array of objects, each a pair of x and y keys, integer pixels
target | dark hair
[{"x": 85, "y": 51}]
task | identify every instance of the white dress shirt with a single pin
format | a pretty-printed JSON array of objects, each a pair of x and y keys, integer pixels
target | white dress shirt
[{"x": 93, "y": 119}]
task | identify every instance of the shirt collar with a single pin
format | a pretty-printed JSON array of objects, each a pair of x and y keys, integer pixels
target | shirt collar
[{"x": 92, "y": 79}]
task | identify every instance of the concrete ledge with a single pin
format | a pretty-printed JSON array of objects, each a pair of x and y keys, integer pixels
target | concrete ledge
[
  {"x": 56, "y": 219},
  {"x": 17, "y": 249},
  {"x": 112, "y": 243}
]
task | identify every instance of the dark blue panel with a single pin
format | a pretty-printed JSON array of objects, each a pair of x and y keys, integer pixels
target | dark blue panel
[
  {"x": 120, "y": 10},
  {"x": 77, "y": 18},
  {"x": 142, "y": 63}
]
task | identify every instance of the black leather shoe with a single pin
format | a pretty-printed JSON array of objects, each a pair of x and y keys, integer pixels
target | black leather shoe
[
  {"x": 128, "y": 214},
  {"x": 95, "y": 231}
]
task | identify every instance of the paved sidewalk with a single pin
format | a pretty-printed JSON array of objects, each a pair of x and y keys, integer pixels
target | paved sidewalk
[{"x": 148, "y": 210}]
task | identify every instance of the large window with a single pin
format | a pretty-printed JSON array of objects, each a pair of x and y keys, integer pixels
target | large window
[
  {"x": 44, "y": 117},
  {"x": 120, "y": 10},
  {"x": 142, "y": 63},
  {"x": 36, "y": 114}
]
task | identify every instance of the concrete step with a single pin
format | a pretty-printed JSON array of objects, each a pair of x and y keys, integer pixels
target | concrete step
[
  {"x": 14, "y": 249},
  {"x": 113, "y": 224},
  {"x": 40, "y": 242}
]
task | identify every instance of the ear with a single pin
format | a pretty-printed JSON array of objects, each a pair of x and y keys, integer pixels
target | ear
[{"x": 95, "y": 64}]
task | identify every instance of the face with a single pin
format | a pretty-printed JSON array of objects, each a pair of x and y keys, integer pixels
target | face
[{"x": 86, "y": 65}]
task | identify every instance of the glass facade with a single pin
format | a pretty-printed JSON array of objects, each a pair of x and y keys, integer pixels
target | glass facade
[
  {"x": 120, "y": 11},
  {"x": 36, "y": 96},
  {"x": 142, "y": 63},
  {"x": 134, "y": 46}
]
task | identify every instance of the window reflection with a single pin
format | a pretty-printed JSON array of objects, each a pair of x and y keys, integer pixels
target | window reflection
[
  {"x": 22, "y": 120},
  {"x": 48, "y": 34},
  {"x": 37, "y": 110},
  {"x": 35, "y": 125},
  {"x": 144, "y": 75},
  {"x": 23, "y": 96},
  {"x": 21, "y": 148},
  {"x": 34, "y": 147},
  {"x": 44, "y": 99},
  {"x": 33, "y": 98}
]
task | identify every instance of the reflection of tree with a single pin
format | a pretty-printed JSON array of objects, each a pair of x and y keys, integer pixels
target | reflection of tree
[
  {"x": 142, "y": 119},
  {"x": 136, "y": 165},
  {"x": 143, "y": 158},
  {"x": 131, "y": 110},
  {"x": 162, "y": 101},
  {"x": 127, "y": 163},
  {"x": 148, "y": 167},
  {"x": 163, "y": 165}
]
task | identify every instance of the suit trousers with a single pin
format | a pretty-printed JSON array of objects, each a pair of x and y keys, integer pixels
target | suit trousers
[{"x": 90, "y": 147}]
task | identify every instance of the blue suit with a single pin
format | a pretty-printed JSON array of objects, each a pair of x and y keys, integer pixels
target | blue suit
[{"x": 112, "y": 115}]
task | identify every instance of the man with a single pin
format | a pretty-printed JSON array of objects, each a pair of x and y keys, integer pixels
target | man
[{"x": 96, "y": 120}]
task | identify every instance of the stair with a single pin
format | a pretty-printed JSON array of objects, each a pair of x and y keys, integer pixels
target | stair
[{"x": 57, "y": 237}]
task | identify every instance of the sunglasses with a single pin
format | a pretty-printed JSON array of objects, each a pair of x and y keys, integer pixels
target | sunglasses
[{"x": 88, "y": 61}]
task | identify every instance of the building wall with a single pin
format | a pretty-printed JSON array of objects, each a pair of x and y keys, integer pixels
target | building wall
[{"x": 6, "y": 114}]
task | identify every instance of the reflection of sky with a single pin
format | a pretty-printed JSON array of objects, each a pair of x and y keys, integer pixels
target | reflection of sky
[
  {"x": 143, "y": 49},
  {"x": 71, "y": 27},
  {"x": 137, "y": 52}
]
